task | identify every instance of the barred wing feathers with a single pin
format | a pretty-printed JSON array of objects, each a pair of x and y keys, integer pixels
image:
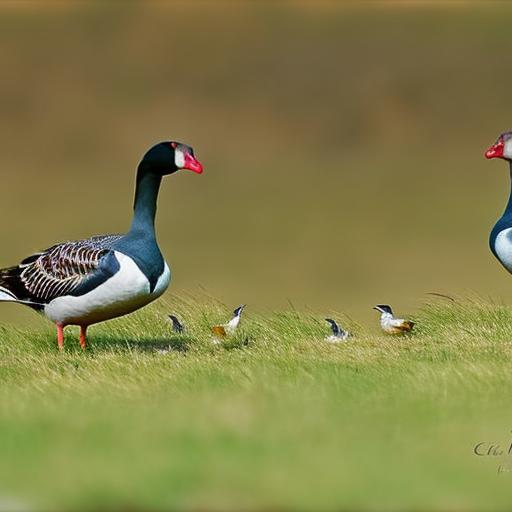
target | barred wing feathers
[{"x": 60, "y": 270}]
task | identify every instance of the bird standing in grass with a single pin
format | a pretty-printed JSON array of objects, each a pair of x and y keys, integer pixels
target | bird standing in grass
[
  {"x": 338, "y": 334},
  {"x": 88, "y": 281},
  {"x": 177, "y": 326},
  {"x": 221, "y": 331},
  {"x": 390, "y": 324}
]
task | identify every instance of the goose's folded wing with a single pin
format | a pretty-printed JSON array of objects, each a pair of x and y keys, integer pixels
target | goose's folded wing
[{"x": 71, "y": 268}]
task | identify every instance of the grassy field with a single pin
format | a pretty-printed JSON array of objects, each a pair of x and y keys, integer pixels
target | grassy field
[{"x": 286, "y": 421}]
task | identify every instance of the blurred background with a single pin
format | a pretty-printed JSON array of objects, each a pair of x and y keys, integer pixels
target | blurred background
[{"x": 342, "y": 143}]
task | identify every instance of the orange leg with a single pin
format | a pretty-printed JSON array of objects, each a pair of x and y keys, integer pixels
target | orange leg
[
  {"x": 83, "y": 336},
  {"x": 60, "y": 336}
]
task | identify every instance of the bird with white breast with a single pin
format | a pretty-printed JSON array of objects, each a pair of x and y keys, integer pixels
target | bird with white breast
[
  {"x": 221, "y": 331},
  {"x": 88, "y": 281},
  {"x": 390, "y": 324}
]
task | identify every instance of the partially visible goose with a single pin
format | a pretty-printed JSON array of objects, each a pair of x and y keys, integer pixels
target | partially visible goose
[
  {"x": 500, "y": 240},
  {"x": 89, "y": 281}
]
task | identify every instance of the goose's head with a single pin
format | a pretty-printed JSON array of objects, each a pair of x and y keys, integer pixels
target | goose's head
[
  {"x": 502, "y": 148},
  {"x": 168, "y": 157}
]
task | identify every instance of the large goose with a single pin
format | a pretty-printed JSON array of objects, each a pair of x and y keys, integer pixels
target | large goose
[
  {"x": 500, "y": 240},
  {"x": 89, "y": 281}
]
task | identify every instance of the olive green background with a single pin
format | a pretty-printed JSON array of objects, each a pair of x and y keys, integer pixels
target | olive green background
[{"x": 342, "y": 143}]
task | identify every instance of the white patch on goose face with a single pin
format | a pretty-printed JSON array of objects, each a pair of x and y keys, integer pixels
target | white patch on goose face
[
  {"x": 507, "y": 148},
  {"x": 124, "y": 292},
  {"x": 503, "y": 248},
  {"x": 179, "y": 158}
]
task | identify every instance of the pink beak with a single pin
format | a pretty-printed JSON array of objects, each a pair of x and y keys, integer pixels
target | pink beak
[
  {"x": 495, "y": 151},
  {"x": 192, "y": 164}
]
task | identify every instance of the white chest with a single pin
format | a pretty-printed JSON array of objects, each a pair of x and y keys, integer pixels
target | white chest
[
  {"x": 232, "y": 324},
  {"x": 503, "y": 248},
  {"x": 386, "y": 321},
  {"x": 123, "y": 293},
  {"x": 390, "y": 324}
]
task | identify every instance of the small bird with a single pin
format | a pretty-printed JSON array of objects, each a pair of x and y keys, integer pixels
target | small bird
[
  {"x": 88, "y": 281},
  {"x": 221, "y": 331},
  {"x": 390, "y": 324},
  {"x": 177, "y": 326},
  {"x": 338, "y": 334}
]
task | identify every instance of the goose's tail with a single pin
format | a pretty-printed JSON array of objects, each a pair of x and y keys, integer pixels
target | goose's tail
[
  {"x": 6, "y": 295},
  {"x": 12, "y": 288},
  {"x": 7, "y": 284}
]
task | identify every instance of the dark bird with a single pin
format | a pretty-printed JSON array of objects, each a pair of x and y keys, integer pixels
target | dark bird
[
  {"x": 338, "y": 334},
  {"x": 88, "y": 281},
  {"x": 176, "y": 325}
]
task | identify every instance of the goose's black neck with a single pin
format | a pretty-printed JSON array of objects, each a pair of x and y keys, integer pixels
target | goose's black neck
[
  {"x": 140, "y": 242},
  {"x": 146, "y": 194}
]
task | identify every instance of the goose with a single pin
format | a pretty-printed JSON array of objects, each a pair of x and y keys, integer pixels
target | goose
[
  {"x": 177, "y": 326},
  {"x": 229, "y": 328},
  {"x": 500, "y": 240},
  {"x": 390, "y": 324},
  {"x": 338, "y": 334},
  {"x": 84, "y": 282}
]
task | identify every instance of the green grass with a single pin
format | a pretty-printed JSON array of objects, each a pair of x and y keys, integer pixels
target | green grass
[{"x": 285, "y": 421}]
